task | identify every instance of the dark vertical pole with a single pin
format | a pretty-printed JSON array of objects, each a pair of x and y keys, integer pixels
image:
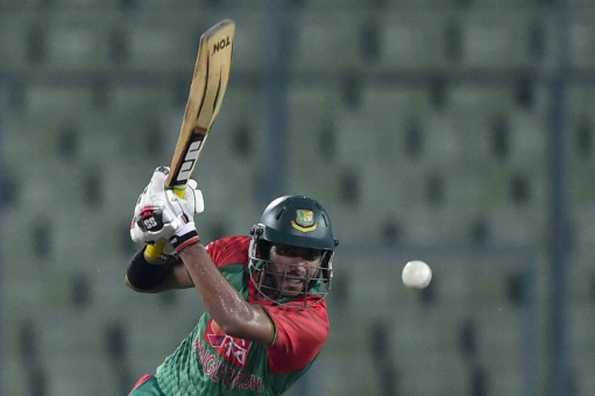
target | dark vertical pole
[
  {"x": 276, "y": 40},
  {"x": 558, "y": 243},
  {"x": 530, "y": 329},
  {"x": 3, "y": 300}
]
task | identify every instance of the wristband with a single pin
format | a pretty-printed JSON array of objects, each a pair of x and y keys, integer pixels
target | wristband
[
  {"x": 183, "y": 241},
  {"x": 144, "y": 275}
]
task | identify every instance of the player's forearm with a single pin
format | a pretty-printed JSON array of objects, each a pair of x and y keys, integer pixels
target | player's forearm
[{"x": 221, "y": 300}]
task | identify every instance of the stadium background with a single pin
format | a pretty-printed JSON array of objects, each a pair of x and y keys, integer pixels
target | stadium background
[{"x": 455, "y": 131}]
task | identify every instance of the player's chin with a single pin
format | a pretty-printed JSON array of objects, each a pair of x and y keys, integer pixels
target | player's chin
[{"x": 292, "y": 288}]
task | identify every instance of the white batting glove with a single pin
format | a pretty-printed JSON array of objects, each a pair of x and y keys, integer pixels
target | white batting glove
[{"x": 160, "y": 214}]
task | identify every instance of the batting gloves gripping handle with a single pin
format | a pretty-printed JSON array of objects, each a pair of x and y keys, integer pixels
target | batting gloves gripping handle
[{"x": 161, "y": 215}]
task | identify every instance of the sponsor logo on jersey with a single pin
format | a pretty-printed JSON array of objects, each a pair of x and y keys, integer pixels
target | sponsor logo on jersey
[
  {"x": 234, "y": 350},
  {"x": 213, "y": 365}
]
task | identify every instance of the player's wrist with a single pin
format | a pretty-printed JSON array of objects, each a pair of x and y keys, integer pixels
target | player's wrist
[{"x": 184, "y": 237}]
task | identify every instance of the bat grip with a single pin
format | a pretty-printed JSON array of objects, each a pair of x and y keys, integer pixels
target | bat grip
[{"x": 180, "y": 191}]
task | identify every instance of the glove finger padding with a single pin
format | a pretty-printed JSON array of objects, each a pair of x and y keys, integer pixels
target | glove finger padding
[
  {"x": 195, "y": 194},
  {"x": 157, "y": 182}
]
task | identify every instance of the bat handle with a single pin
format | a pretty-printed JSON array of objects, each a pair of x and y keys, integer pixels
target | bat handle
[
  {"x": 155, "y": 250},
  {"x": 180, "y": 191}
]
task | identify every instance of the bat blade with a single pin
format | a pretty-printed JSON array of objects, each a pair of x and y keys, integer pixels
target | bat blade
[{"x": 209, "y": 83}]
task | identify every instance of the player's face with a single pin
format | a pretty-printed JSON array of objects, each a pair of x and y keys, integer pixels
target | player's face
[{"x": 293, "y": 267}]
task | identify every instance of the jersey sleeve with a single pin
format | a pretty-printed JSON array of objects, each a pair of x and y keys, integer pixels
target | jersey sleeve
[
  {"x": 229, "y": 250},
  {"x": 300, "y": 335}
]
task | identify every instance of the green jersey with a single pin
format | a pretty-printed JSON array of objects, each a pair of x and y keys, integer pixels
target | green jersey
[{"x": 210, "y": 362}]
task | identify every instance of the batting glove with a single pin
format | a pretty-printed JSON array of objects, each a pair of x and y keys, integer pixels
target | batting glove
[{"x": 161, "y": 215}]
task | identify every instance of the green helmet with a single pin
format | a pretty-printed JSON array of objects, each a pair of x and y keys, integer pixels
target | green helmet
[{"x": 292, "y": 222}]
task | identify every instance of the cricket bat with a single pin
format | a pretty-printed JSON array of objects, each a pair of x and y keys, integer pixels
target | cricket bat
[{"x": 207, "y": 89}]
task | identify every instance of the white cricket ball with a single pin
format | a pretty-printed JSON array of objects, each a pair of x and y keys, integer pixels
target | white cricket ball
[{"x": 416, "y": 274}]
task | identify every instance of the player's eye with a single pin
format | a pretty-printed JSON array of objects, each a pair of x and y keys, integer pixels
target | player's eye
[{"x": 294, "y": 251}]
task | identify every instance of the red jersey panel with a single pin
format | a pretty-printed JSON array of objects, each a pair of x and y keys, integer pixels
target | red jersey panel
[
  {"x": 301, "y": 333},
  {"x": 229, "y": 250}
]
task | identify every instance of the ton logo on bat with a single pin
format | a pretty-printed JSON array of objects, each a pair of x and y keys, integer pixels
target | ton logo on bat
[{"x": 224, "y": 42}]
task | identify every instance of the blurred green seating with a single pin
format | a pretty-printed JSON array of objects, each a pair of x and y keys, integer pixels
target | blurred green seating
[
  {"x": 580, "y": 269},
  {"x": 17, "y": 383},
  {"x": 152, "y": 333},
  {"x": 85, "y": 5},
  {"x": 310, "y": 142},
  {"x": 428, "y": 225},
  {"x": 582, "y": 37},
  {"x": 582, "y": 345},
  {"x": 434, "y": 374},
  {"x": 388, "y": 103},
  {"x": 580, "y": 99},
  {"x": 128, "y": 178},
  {"x": 351, "y": 223},
  {"x": 528, "y": 140},
  {"x": 76, "y": 42},
  {"x": 500, "y": 338},
  {"x": 412, "y": 41},
  {"x": 141, "y": 100},
  {"x": 165, "y": 42},
  {"x": 493, "y": 42},
  {"x": 321, "y": 47},
  {"x": 250, "y": 52},
  {"x": 358, "y": 375},
  {"x": 58, "y": 101},
  {"x": 14, "y": 46},
  {"x": 38, "y": 191},
  {"x": 311, "y": 106},
  {"x": 517, "y": 226},
  {"x": 238, "y": 133},
  {"x": 81, "y": 373}
]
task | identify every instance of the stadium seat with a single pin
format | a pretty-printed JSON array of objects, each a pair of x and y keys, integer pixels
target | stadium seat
[
  {"x": 15, "y": 28},
  {"x": 582, "y": 41},
  {"x": 147, "y": 343},
  {"x": 433, "y": 375},
  {"x": 76, "y": 42},
  {"x": 85, "y": 5},
  {"x": 311, "y": 106},
  {"x": 81, "y": 373},
  {"x": 141, "y": 99},
  {"x": 16, "y": 377},
  {"x": 333, "y": 367},
  {"x": 496, "y": 43},
  {"x": 251, "y": 52},
  {"x": 582, "y": 344},
  {"x": 52, "y": 100},
  {"x": 40, "y": 191},
  {"x": 391, "y": 102},
  {"x": 580, "y": 269},
  {"x": 165, "y": 43},
  {"x": 516, "y": 226},
  {"x": 326, "y": 48},
  {"x": 410, "y": 41},
  {"x": 529, "y": 135}
]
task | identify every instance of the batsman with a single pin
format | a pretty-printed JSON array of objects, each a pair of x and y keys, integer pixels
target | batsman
[{"x": 266, "y": 317}]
